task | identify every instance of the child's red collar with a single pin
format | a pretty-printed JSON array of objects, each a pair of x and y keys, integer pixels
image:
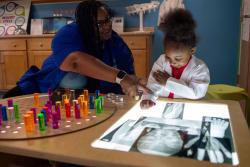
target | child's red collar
[{"x": 177, "y": 72}]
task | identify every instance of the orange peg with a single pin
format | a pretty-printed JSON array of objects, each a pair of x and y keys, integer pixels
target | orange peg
[
  {"x": 36, "y": 100},
  {"x": 28, "y": 122}
]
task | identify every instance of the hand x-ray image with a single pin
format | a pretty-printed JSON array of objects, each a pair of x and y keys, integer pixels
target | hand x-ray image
[{"x": 212, "y": 144}]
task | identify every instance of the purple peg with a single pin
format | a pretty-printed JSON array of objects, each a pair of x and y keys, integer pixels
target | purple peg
[
  {"x": 55, "y": 124},
  {"x": 77, "y": 111},
  {"x": 10, "y": 103},
  {"x": 58, "y": 111},
  {"x": 34, "y": 113}
]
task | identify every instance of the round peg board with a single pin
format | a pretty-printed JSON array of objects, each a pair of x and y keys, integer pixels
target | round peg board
[{"x": 11, "y": 130}]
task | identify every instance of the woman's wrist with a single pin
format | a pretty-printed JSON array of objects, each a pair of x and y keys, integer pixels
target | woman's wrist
[{"x": 120, "y": 76}]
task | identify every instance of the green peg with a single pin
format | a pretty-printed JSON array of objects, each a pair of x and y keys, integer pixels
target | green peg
[
  {"x": 16, "y": 112},
  {"x": 41, "y": 121},
  {"x": 98, "y": 106}
]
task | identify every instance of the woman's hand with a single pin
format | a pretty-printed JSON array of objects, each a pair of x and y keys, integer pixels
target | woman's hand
[
  {"x": 161, "y": 77},
  {"x": 131, "y": 85},
  {"x": 142, "y": 86}
]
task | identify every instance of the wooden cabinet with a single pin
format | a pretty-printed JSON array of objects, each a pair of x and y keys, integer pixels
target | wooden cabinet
[
  {"x": 12, "y": 44},
  {"x": 37, "y": 57},
  {"x": 140, "y": 63},
  {"x": 13, "y": 61},
  {"x": 13, "y": 67},
  {"x": 17, "y": 54},
  {"x": 140, "y": 46},
  {"x": 39, "y": 43},
  {"x": 38, "y": 50}
]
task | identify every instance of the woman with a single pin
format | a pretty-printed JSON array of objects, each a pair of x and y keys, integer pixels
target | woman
[{"x": 84, "y": 52}]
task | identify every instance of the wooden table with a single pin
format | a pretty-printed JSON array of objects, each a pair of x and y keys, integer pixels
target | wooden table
[{"x": 76, "y": 147}]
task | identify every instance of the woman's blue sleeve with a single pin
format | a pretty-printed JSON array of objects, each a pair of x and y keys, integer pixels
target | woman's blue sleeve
[{"x": 66, "y": 41}]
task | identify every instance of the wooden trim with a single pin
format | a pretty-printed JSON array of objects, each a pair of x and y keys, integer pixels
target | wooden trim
[
  {"x": 244, "y": 65},
  {"x": 28, "y": 36},
  {"x": 128, "y": 31},
  {"x": 1, "y": 59},
  {"x": 248, "y": 77},
  {"x": 52, "y": 1},
  {"x": 1, "y": 74}
]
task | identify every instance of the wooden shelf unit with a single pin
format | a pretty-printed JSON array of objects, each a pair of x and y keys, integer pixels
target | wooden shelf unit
[{"x": 18, "y": 53}]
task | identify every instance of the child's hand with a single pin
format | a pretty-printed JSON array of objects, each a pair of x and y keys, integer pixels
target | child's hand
[
  {"x": 161, "y": 77},
  {"x": 145, "y": 104},
  {"x": 142, "y": 86}
]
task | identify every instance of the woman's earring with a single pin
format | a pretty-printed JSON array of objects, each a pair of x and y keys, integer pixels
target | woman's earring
[{"x": 193, "y": 50}]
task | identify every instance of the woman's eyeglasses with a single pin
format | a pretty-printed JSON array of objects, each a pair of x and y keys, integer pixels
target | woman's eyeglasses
[{"x": 103, "y": 23}]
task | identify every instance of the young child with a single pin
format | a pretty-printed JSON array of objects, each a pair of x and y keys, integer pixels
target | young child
[{"x": 177, "y": 73}]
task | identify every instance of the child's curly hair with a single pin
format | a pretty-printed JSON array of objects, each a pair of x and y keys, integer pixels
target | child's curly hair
[{"x": 179, "y": 27}]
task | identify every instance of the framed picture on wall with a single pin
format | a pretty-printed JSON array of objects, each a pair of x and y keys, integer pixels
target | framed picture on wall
[{"x": 14, "y": 17}]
